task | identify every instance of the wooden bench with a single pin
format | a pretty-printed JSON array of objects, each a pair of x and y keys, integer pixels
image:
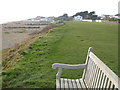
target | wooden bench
[{"x": 96, "y": 75}]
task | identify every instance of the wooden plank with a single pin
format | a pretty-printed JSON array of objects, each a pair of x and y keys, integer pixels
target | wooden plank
[
  {"x": 103, "y": 82},
  {"x": 70, "y": 83},
  {"x": 83, "y": 84},
  {"x": 86, "y": 78},
  {"x": 112, "y": 76},
  {"x": 78, "y": 84},
  {"x": 112, "y": 86},
  {"x": 58, "y": 83},
  {"x": 94, "y": 75},
  {"x": 62, "y": 83},
  {"x": 86, "y": 72},
  {"x": 68, "y": 66},
  {"x": 74, "y": 83},
  {"x": 87, "y": 60},
  {"x": 66, "y": 83},
  {"x": 97, "y": 81},
  {"x": 89, "y": 74},
  {"x": 108, "y": 84},
  {"x": 101, "y": 78}
]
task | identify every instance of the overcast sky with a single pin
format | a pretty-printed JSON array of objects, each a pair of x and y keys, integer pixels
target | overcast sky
[{"x": 12, "y": 10}]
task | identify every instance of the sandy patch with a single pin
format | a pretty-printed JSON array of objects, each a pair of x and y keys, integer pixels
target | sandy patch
[{"x": 14, "y": 33}]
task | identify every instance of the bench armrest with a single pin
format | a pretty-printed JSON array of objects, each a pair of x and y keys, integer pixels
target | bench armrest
[
  {"x": 68, "y": 66},
  {"x": 60, "y": 66}
]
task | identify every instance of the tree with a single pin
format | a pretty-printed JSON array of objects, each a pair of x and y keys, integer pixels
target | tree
[
  {"x": 65, "y": 15},
  {"x": 92, "y": 13},
  {"x": 83, "y": 14},
  {"x": 94, "y": 17}
]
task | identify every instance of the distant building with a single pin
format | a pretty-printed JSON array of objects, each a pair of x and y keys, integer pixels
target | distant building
[
  {"x": 51, "y": 19},
  {"x": 108, "y": 17},
  {"x": 113, "y": 16},
  {"x": 87, "y": 20},
  {"x": 78, "y": 18},
  {"x": 40, "y": 18},
  {"x": 98, "y": 20}
]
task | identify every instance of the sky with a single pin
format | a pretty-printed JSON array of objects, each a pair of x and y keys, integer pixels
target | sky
[{"x": 15, "y": 10}]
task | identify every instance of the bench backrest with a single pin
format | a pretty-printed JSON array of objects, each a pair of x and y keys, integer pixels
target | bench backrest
[{"x": 97, "y": 74}]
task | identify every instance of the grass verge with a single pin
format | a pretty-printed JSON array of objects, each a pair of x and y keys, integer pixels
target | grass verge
[{"x": 67, "y": 44}]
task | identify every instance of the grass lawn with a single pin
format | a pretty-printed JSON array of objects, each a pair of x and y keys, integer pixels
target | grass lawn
[{"x": 67, "y": 44}]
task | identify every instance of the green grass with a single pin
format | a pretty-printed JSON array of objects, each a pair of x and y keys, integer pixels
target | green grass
[
  {"x": 67, "y": 44},
  {"x": 21, "y": 31},
  {"x": 7, "y": 32}
]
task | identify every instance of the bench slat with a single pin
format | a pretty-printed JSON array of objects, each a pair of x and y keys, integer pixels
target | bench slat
[
  {"x": 66, "y": 83},
  {"x": 87, "y": 72},
  {"x": 62, "y": 82},
  {"x": 111, "y": 87},
  {"x": 58, "y": 83},
  {"x": 74, "y": 84},
  {"x": 103, "y": 81},
  {"x": 87, "y": 60},
  {"x": 70, "y": 83},
  {"x": 91, "y": 74},
  {"x": 78, "y": 83},
  {"x": 94, "y": 76},
  {"x": 97, "y": 79},
  {"x": 108, "y": 84},
  {"x": 82, "y": 83},
  {"x": 100, "y": 80}
]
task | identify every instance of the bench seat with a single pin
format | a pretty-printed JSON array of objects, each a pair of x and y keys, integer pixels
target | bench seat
[{"x": 70, "y": 83}]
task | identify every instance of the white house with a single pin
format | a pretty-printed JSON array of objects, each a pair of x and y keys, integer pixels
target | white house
[
  {"x": 87, "y": 20},
  {"x": 113, "y": 16},
  {"x": 40, "y": 18},
  {"x": 98, "y": 20},
  {"x": 78, "y": 18},
  {"x": 51, "y": 19},
  {"x": 107, "y": 17}
]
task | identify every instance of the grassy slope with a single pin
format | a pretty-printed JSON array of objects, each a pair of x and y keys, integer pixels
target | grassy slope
[{"x": 67, "y": 44}]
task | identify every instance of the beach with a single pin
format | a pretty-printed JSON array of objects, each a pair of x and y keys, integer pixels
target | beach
[{"x": 15, "y": 32}]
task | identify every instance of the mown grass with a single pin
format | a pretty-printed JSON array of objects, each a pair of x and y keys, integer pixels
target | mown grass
[{"x": 67, "y": 44}]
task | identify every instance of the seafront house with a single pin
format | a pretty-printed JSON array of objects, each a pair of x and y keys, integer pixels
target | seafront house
[{"x": 78, "y": 18}]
